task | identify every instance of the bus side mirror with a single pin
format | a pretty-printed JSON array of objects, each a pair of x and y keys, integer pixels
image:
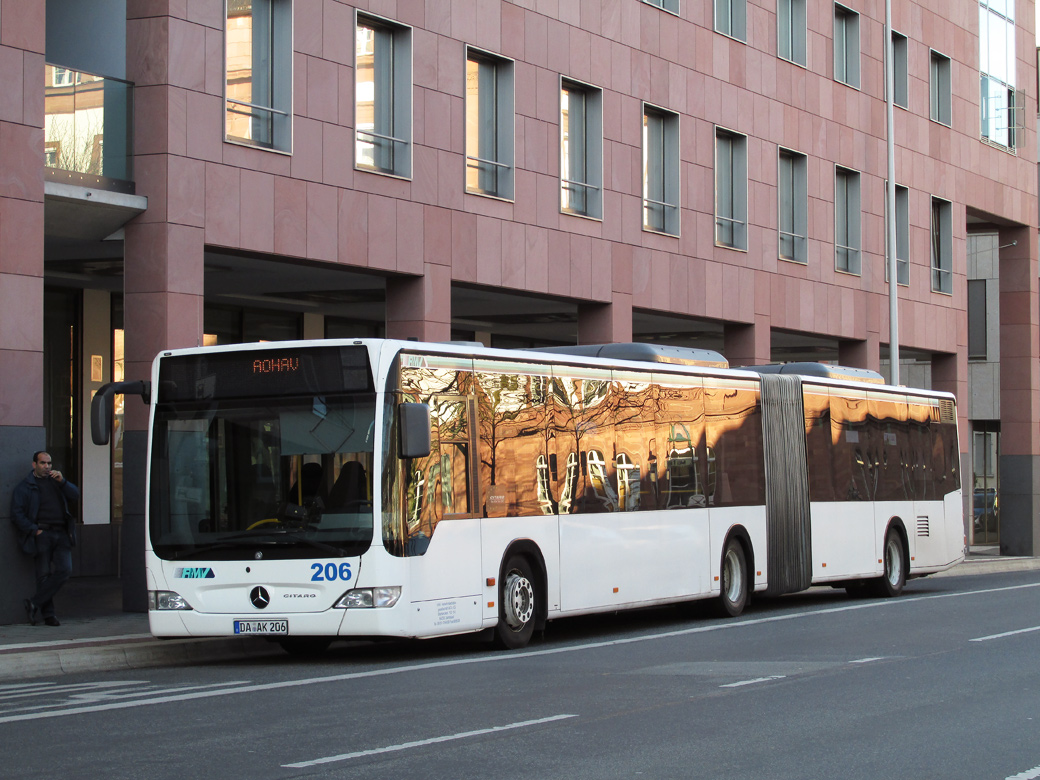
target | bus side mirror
[
  {"x": 101, "y": 406},
  {"x": 413, "y": 424}
]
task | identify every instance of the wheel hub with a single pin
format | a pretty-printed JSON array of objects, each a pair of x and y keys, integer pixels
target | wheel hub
[{"x": 519, "y": 600}]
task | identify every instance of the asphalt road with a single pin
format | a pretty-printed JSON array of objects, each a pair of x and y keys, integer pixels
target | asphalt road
[{"x": 943, "y": 682}]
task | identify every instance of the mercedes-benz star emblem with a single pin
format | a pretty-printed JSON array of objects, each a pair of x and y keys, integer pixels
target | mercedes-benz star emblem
[{"x": 259, "y": 597}]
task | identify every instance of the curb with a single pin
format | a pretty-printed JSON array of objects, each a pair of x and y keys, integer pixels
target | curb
[{"x": 136, "y": 654}]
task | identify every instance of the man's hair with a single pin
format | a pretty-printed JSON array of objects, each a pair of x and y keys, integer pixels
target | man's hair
[{"x": 37, "y": 454}]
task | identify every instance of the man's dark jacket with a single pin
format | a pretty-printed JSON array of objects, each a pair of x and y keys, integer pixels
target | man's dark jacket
[{"x": 25, "y": 505}]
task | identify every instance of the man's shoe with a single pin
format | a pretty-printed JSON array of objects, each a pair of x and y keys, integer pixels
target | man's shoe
[
  {"x": 31, "y": 611},
  {"x": 52, "y": 621}
]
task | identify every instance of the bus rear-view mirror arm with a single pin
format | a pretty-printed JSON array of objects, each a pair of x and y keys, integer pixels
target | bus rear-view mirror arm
[
  {"x": 101, "y": 406},
  {"x": 413, "y": 422}
]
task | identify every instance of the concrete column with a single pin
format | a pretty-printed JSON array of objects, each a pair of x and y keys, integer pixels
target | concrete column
[
  {"x": 861, "y": 354},
  {"x": 1019, "y": 396},
  {"x": 748, "y": 345},
  {"x": 21, "y": 280},
  {"x": 164, "y": 247},
  {"x": 606, "y": 323},
  {"x": 419, "y": 307}
]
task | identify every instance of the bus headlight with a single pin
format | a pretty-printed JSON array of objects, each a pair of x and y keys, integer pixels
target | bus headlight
[
  {"x": 166, "y": 599},
  {"x": 369, "y": 598}
]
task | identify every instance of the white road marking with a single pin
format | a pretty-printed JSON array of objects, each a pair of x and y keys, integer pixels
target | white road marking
[
  {"x": 424, "y": 742},
  {"x": 867, "y": 660},
  {"x": 756, "y": 680},
  {"x": 512, "y": 657},
  {"x": 1029, "y": 774},
  {"x": 1006, "y": 633}
]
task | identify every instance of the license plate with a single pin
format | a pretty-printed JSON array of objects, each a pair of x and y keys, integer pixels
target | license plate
[{"x": 268, "y": 627}]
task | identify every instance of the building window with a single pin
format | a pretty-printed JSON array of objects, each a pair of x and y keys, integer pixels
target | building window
[
  {"x": 382, "y": 96},
  {"x": 671, "y": 6},
  {"x": 977, "y": 347},
  {"x": 581, "y": 149},
  {"x": 846, "y": 46},
  {"x": 660, "y": 170},
  {"x": 730, "y": 189},
  {"x": 790, "y": 26},
  {"x": 258, "y": 51},
  {"x": 997, "y": 65},
  {"x": 489, "y": 125},
  {"x": 846, "y": 221},
  {"x": 942, "y": 246},
  {"x": 939, "y": 89},
  {"x": 902, "y": 235},
  {"x": 793, "y": 202},
  {"x": 731, "y": 18},
  {"x": 900, "y": 74}
]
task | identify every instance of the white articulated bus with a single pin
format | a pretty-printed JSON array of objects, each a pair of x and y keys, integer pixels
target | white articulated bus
[{"x": 374, "y": 488}]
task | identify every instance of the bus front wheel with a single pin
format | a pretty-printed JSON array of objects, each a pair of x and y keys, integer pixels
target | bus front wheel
[
  {"x": 517, "y": 604},
  {"x": 891, "y": 583},
  {"x": 734, "y": 580}
]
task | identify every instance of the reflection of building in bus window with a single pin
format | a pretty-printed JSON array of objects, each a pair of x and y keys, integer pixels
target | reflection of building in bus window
[
  {"x": 684, "y": 487},
  {"x": 416, "y": 494},
  {"x": 545, "y": 499},
  {"x": 570, "y": 484},
  {"x": 599, "y": 481},
  {"x": 628, "y": 483}
]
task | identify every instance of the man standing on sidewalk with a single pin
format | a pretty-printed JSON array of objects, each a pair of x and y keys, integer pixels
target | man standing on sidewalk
[{"x": 40, "y": 509}]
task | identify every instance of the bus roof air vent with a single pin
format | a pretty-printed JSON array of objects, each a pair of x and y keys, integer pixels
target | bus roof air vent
[
  {"x": 647, "y": 353},
  {"x": 847, "y": 373}
]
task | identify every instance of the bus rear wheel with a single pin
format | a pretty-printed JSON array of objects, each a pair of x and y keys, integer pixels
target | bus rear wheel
[
  {"x": 517, "y": 604},
  {"x": 891, "y": 583},
  {"x": 734, "y": 580}
]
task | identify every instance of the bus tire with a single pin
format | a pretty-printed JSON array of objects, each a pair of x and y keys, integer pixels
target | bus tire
[
  {"x": 891, "y": 583},
  {"x": 517, "y": 604},
  {"x": 733, "y": 580}
]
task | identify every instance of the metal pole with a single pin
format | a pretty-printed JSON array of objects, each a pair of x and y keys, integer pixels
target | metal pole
[{"x": 890, "y": 223}]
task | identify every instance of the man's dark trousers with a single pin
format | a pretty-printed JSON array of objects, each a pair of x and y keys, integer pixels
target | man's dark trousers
[{"x": 53, "y": 568}]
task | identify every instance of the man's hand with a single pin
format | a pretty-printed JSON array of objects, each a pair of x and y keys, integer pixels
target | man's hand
[{"x": 57, "y": 475}]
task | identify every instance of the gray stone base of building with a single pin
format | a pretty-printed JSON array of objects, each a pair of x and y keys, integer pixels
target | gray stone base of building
[
  {"x": 1020, "y": 505},
  {"x": 17, "y": 445}
]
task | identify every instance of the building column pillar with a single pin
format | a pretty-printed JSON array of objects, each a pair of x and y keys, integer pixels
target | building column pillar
[
  {"x": 606, "y": 323},
  {"x": 1019, "y": 393},
  {"x": 748, "y": 345},
  {"x": 419, "y": 307},
  {"x": 865, "y": 353},
  {"x": 21, "y": 285}
]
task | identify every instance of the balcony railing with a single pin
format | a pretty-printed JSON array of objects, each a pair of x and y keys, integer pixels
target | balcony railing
[{"x": 88, "y": 132}]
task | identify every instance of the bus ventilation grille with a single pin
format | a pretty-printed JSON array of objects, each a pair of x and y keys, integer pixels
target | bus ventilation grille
[
  {"x": 922, "y": 527},
  {"x": 947, "y": 412}
]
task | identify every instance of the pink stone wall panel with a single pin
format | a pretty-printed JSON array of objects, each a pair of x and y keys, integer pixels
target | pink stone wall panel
[
  {"x": 464, "y": 246},
  {"x": 257, "y": 211},
  {"x": 307, "y": 157},
  {"x": 21, "y": 237},
  {"x": 186, "y": 191},
  {"x": 21, "y": 161},
  {"x": 205, "y": 129},
  {"x": 353, "y": 228},
  {"x": 21, "y": 299},
  {"x": 382, "y": 233},
  {"x": 187, "y": 47},
  {"x": 223, "y": 205},
  {"x": 11, "y": 75},
  {"x": 489, "y": 251},
  {"x": 322, "y": 222},
  {"x": 21, "y": 370},
  {"x": 290, "y": 217}
]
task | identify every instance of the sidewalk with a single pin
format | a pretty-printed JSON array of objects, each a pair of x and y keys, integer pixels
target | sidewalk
[{"x": 95, "y": 634}]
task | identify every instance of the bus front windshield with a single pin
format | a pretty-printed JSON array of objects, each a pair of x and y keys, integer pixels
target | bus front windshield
[{"x": 285, "y": 478}]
